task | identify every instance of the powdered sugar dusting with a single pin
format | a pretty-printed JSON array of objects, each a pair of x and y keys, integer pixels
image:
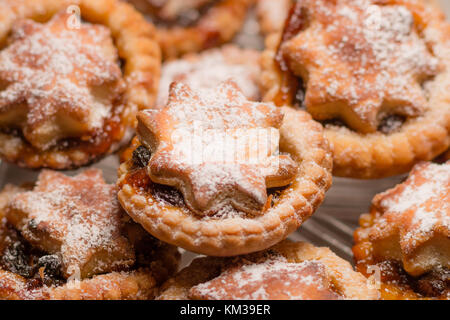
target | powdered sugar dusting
[
  {"x": 80, "y": 216},
  {"x": 52, "y": 72},
  {"x": 275, "y": 278},
  {"x": 209, "y": 69},
  {"x": 198, "y": 129},
  {"x": 423, "y": 201},
  {"x": 370, "y": 57}
]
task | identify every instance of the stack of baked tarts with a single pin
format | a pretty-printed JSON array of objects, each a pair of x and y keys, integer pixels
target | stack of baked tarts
[{"x": 234, "y": 149}]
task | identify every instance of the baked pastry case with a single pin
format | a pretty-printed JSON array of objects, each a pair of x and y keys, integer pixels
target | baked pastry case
[{"x": 336, "y": 208}]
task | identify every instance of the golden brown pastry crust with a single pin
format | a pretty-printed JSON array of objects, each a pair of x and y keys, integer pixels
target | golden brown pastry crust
[
  {"x": 155, "y": 262},
  {"x": 135, "y": 285},
  {"x": 406, "y": 236},
  {"x": 376, "y": 155},
  {"x": 301, "y": 137},
  {"x": 345, "y": 283},
  {"x": 217, "y": 26},
  {"x": 136, "y": 43}
]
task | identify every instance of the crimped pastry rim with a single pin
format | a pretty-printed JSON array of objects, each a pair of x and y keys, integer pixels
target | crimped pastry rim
[
  {"x": 135, "y": 39},
  {"x": 211, "y": 30},
  {"x": 348, "y": 282},
  {"x": 235, "y": 236},
  {"x": 377, "y": 155}
]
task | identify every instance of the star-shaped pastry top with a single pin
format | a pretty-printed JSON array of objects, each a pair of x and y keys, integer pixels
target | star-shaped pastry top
[
  {"x": 79, "y": 218},
  {"x": 273, "y": 279},
  {"x": 359, "y": 61},
  {"x": 219, "y": 149},
  {"x": 57, "y": 82},
  {"x": 417, "y": 213}
]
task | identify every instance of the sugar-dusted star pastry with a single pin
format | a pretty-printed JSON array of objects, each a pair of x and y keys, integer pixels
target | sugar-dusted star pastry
[
  {"x": 76, "y": 217},
  {"x": 375, "y": 74},
  {"x": 217, "y": 148},
  {"x": 407, "y": 235},
  {"x": 221, "y": 175},
  {"x": 68, "y": 238},
  {"x": 287, "y": 271},
  {"x": 70, "y": 83},
  {"x": 47, "y": 79}
]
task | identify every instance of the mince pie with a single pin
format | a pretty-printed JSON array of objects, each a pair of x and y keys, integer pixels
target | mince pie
[
  {"x": 186, "y": 26},
  {"x": 68, "y": 238},
  {"x": 376, "y": 73},
  {"x": 406, "y": 236},
  {"x": 70, "y": 86},
  {"x": 287, "y": 271},
  {"x": 221, "y": 175},
  {"x": 209, "y": 68}
]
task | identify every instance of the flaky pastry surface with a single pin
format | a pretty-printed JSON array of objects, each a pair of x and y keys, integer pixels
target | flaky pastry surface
[
  {"x": 381, "y": 67},
  {"x": 289, "y": 270}
]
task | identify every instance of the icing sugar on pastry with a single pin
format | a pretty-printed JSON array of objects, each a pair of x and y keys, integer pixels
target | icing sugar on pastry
[
  {"x": 271, "y": 280},
  {"x": 77, "y": 217},
  {"x": 360, "y": 60},
  {"x": 58, "y": 83},
  {"x": 426, "y": 194},
  {"x": 417, "y": 212},
  {"x": 406, "y": 235},
  {"x": 210, "y": 68},
  {"x": 193, "y": 126},
  {"x": 286, "y": 271}
]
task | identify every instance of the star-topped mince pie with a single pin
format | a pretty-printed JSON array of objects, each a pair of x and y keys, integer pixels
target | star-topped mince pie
[
  {"x": 218, "y": 174},
  {"x": 68, "y": 238},
  {"x": 66, "y": 98},
  {"x": 287, "y": 271},
  {"x": 407, "y": 235},
  {"x": 194, "y": 25},
  {"x": 217, "y": 150},
  {"x": 375, "y": 73}
]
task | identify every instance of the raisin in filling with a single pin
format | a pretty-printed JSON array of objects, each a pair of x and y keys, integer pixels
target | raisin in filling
[
  {"x": 19, "y": 257},
  {"x": 167, "y": 194},
  {"x": 391, "y": 123},
  {"x": 432, "y": 284},
  {"x": 141, "y": 156}
]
